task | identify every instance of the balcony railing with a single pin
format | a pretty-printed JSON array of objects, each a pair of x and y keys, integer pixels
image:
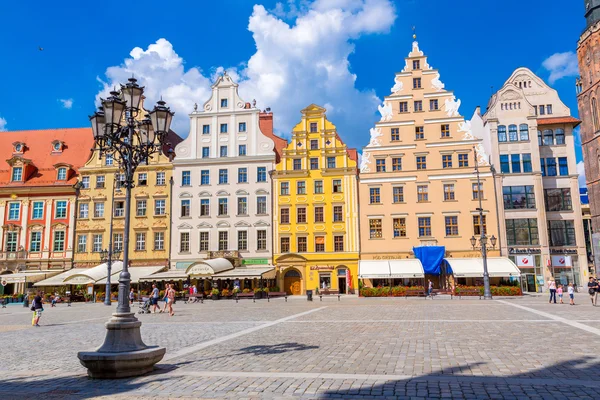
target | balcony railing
[{"x": 13, "y": 255}]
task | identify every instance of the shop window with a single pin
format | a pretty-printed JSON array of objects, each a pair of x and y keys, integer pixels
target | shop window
[{"x": 324, "y": 280}]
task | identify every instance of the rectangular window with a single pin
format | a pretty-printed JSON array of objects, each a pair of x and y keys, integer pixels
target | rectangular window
[
  {"x": 205, "y": 177},
  {"x": 535, "y": 109},
  {"x": 35, "y": 243},
  {"x": 284, "y": 216},
  {"x": 81, "y": 243},
  {"x": 85, "y": 182},
  {"x": 108, "y": 160},
  {"x": 521, "y": 232},
  {"x": 61, "y": 209},
  {"x": 118, "y": 242},
  {"x": 338, "y": 213},
  {"x": 419, "y": 132},
  {"x": 140, "y": 208},
  {"x": 375, "y": 230},
  {"x": 548, "y": 137},
  {"x": 84, "y": 210},
  {"x": 223, "y": 128},
  {"x": 398, "y": 194},
  {"x": 403, "y": 106},
  {"x": 203, "y": 241},
  {"x": 119, "y": 209},
  {"x": 449, "y": 191},
  {"x": 524, "y": 132},
  {"x": 302, "y": 244},
  {"x": 451, "y": 226},
  {"x": 421, "y": 162},
  {"x": 223, "y": 103},
  {"x": 447, "y": 161},
  {"x": 380, "y": 165},
  {"x": 261, "y": 205},
  {"x": 551, "y": 166},
  {"x": 119, "y": 181},
  {"x": 185, "y": 208},
  {"x": 416, "y": 83},
  {"x": 314, "y": 144},
  {"x": 463, "y": 160},
  {"x": 97, "y": 243},
  {"x": 477, "y": 226},
  {"x": 319, "y": 244},
  {"x": 160, "y": 207},
  {"x": 98, "y": 210},
  {"x": 504, "y": 164},
  {"x": 17, "y": 174},
  {"x": 313, "y": 127},
  {"x": 395, "y": 134},
  {"x": 186, "y": 178},
  {"x": 222, "y": 210},
  {"x": 100, "y": 180},
  {"x": 285, "y": 244},
  {"x": 433, "y": 105},
  {"x": 330, "y": 162},
  {"x": 445, "y": 130},
  {"x": 223, "y": 241},
  {"x": 37, "y": 210},
  {"x": 542, "y": 110},
  {"x": 563, "y": 167},
  {"x": 301, "y": 187},
  {"x": 223, "y": 177},
  {"x": 297, "y": 164},
  {"x": 242, "y": 150},
  {"x": 160, "y": 179},
  {"x": 11, "y": 241},
  {"x": 242, "y": 127},
  {"x": 242, "y": 175},
  {"x": 223, "y": 151},
  {"x": 301, "y": 216},
  {"x": 284, "y": 188},
  {"x": 422, "y": 193},
  {"x": 261, "y": 174},
  {"x": 242, "y": 240},
  {"x": 375, "y": 196},
  {"x": 159, "y": 240},
  {"x": 549, "y": 109},
  {"x": 142, "y": 179},
  {"x": 424, "y": 226},
  {"x": 204, "y": 207},
  {"x": 314, "y": 163},
  {"x": 526, "y": 162},
  {"x": 416, "y": 64},
  {"x": 205, "y": 152},
  {"x": 418, "y": 105},
  {"x": 318, "y": 187},
  {"x": 559, "y": 136},
  {"x": 62, "y": 174},
  {"x": 561, "y": 233},
  {"x": 206, "y": 129},
  {"x": 399, "y": 225},
  {"x": 543, "y": 166},
  {"x": 319, "y": 214},
  {"x": 515, "y": 161},
  {"x": 338, "y": 243},
  {"x": 558, "y": 199},
  {"x": 518, "y": 197},
  {"x": 337, "y": 186},
  {"x": 396, "y": 164},
  {"x": 512, "y": 133},
  {"x": 477, "y": 191},
  {"x": 184, "y": 242}
]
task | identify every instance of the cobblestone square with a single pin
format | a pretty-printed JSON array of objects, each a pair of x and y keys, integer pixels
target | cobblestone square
[{"x": 517, "y": 348}]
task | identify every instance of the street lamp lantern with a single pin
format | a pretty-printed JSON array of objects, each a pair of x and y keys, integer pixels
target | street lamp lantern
[
  {"x": 98, "y": 123},
  {"x": 473, "y": 241},
  {"x": 161, "y": 118},
  {"x": 113, "y": 110},
  {"x": 483, "y": 240},
  {"x": 132, "y": 94},
  {"x": 493, "y": 241}
]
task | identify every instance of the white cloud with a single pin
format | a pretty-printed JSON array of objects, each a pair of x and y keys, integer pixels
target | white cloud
[
  {"x": 581, "y": 172},
  {"x": 66, "y": 103},
  {"x": 2, "y": 124},
  {"x": 295, "y": 64},
  {"x": 561, "y": 65}
]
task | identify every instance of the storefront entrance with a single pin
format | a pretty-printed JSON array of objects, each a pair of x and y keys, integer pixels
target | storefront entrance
[
  {"x": 528, "y": 283},
  {"x": 342, "y": 282},
  {"x": 292, "y": 282}
]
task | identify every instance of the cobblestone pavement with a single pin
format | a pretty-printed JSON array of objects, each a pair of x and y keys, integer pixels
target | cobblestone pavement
[{"x": 507, "y": 348}]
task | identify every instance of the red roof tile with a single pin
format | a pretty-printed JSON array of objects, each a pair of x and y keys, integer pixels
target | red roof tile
[
  {"x": 77, "y": 145},
  {"x": 558, "y": 120},
  {"x": 265, "y": 122}
]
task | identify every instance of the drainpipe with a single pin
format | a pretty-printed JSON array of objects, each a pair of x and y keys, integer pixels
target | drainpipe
[
  {"x": 497, "y": 208},
  {"x": 170, "y": 219}
]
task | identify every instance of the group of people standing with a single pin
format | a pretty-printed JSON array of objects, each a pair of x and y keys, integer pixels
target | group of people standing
[
  {"x": 169, "y": 299},
  {"x": 593, "y": 289}
]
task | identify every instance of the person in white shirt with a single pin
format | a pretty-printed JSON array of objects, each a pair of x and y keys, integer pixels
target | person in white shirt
[{"x": 571, "y": 294}]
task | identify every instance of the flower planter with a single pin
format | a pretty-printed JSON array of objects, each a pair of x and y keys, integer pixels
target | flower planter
[{"x": 215, "y": 297}]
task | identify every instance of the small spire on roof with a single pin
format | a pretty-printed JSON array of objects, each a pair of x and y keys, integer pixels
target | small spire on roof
[{"x": 414, "y": 28}]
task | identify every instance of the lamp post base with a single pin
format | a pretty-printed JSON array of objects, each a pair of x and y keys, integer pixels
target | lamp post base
[{"x": 123, "y": 353}]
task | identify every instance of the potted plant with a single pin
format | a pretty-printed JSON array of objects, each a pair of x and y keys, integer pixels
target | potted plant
[
  {"x": 225, "y": 293},
  {"x": 215, "y": 294}
]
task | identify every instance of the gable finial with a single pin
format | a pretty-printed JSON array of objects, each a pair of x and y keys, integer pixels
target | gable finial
[{"x": 414, "y": 28}]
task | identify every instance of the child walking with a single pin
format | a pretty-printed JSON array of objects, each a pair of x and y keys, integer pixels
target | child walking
[
  {"x": 571, "y": 294},
  {"x": 559, "y": 292}
]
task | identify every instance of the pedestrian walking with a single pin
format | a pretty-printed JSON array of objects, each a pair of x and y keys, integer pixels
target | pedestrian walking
[
  {"x": 165, "y": 298},
  {"x": 171, "y": 299},
  {"x": 154, "y": 298},
  {"x": 37, "y": 307},
  {"x": 571, "y": 290},
  {"x": 430, "y": 289},
  {"x": 131, "y": 296},
  {"x": 592, "y": 288},
  {"x": 559, "y": 292},
  {"x": 552, "y": 287}
]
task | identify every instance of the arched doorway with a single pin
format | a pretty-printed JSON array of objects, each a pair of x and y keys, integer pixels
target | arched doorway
[
  {"x": 342, "y": 277},
  {"x": 292, "y": 282}
]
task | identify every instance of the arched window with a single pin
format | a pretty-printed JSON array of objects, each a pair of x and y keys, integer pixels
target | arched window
[
  {"x": 524, "y": 132},
  {"x": 512, "y": 133},
  {"x": 501, "y": 133},
  {"x": 548, "y": 137},
  {"x": 559, "y": 136},
  {"x": 595, "y": 114}
]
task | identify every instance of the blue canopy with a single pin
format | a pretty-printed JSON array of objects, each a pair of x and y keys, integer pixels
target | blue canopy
[{"x": 431, "y": 257}]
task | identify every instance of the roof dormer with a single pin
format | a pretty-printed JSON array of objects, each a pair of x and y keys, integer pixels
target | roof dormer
[
  {"x": 18, "y": 148},
  {"x": 57, "y": 146},
  {"x": 63, "y": 171},
  {"x": 21, "y": 168}
]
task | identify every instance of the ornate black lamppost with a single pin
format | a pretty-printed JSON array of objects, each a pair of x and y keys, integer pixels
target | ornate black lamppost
[{"x": 118, "y": 132}]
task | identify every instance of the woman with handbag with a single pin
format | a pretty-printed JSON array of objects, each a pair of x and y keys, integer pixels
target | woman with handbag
[{"x": 37, "y": 308}]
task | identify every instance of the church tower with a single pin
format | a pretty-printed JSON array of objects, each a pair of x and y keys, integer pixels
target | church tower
[{"x": 592, "y": 12}]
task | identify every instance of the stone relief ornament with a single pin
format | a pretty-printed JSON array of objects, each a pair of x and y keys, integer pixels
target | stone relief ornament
[
  {"x": 398, "y": 86},
  {"x": 510, "y": 95},
  {"x": 375, "y": 135},
  {"x": 207, "y": 107},
  {"x": 452, "y": 106},
  {"x": 365, "y": 162},
  {"x": 466, "y": 128},
  {"x": 385, "y": 111},
  {"x": 437, "y": 84},
  {"x": 482, "y": 157}
]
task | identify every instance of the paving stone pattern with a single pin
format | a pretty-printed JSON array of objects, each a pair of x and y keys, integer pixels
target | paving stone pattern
[{"x": 354, "y": 348}]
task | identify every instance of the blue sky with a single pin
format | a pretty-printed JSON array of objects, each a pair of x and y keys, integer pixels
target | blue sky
[{"x": 286, "y": 56}]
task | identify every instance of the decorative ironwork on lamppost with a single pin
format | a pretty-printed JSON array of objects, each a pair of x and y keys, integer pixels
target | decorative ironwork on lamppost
[
  {"x": 487, "y": 293},
  {"x": 118, "y": 132}
]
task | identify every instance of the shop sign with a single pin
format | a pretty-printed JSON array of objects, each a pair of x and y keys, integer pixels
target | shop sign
[
  {"x": 525, "y": 261},
  {"x": 562, "y": 261},
  {"x": 224, "y": 254},
  {"x": 200, "y": 269},
  {"x": 389, "y": 257},
  {"x": 540, "y": 280},
  {"x": 78, "y": 279},
  {"x": 517, "y": 250},
  {"x": 183, "y": 264},
  {"x": 321, "y": 268},
  {"x": 255, "y": 261},
  {"x": 563, "y": 251}
]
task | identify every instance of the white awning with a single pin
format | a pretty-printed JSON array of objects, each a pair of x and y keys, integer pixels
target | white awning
[
  {"x": 247, "y": 273},
  {"x": 373, "y": 269},
  {"x": 136, "y": 274},
  {"x": 93, "y": 275},
  {"x": 59, "y": 280},
  {"x": 407, "y": 268},
  {"x": 27, "y": 276},
  {"x": 209, "y": 267},
  {"x": 171, "y": 275},
  {"x": 473, "y": 267}
]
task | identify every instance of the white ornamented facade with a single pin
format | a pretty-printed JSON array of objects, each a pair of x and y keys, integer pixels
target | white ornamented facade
[{"x": 222, "y": 185}]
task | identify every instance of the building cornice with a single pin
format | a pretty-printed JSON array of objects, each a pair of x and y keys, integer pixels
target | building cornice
[{"x": 223, "y": 161}]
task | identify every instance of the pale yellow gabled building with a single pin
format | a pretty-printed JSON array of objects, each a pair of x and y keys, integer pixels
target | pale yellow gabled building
[{"x": 316, "y": 209}]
